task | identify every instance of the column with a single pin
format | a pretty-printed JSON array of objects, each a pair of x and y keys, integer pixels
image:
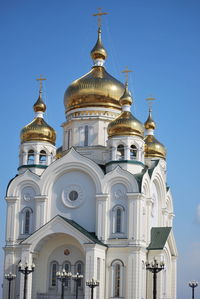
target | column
[
  {"x": 40, "y": 211},
  {"x": 24, "y": 158},
  {"x": 11, "y": 224},
  {"x": 126, "y": 153},
  {"x": 26, "y": 257},
  {"x": 114, "y": 153},
  {"x": 101, "y": 219},
  {"x": 36, "y": 160},
  {"x": 95, "y": 253}
]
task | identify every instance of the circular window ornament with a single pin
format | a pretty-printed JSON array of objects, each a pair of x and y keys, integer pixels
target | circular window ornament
[{"x": 72, "y": 196}]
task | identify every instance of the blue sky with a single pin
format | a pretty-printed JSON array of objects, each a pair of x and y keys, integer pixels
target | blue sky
[{"x": 158, "y": 39}]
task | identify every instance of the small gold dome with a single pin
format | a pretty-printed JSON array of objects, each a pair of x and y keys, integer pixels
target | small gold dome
[
  {"x": 149, "y": 123},
  {"x": 125, "y": 124},
  {"x": 153, "y": 148},
  {"x": 126, "y": 99},
  {"x": 39, "y": 105},
  {"x": 95, "y": 89},
  {"x": 38, "y": 130},
  {"x": 98, "y": 51}
]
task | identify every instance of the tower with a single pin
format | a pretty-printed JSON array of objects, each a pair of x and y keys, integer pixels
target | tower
[{"x": 98, "y": 205}]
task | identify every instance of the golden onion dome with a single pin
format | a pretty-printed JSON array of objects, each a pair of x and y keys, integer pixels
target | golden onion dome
[
  {"x": 97, "y": 88},
  {"x": 38, "y": 129},
  {"x": 39, "y": 104},
  {"x": 99, "y": 51},
  {"x": 149, "y": 123},
  {"x": 126, "y": 98},
  {"x": 125, "y": 123},
  {"x": 153, "y": 148}
]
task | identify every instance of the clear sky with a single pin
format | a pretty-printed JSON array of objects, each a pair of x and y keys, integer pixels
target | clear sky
[{"x": 158, "y": 39}]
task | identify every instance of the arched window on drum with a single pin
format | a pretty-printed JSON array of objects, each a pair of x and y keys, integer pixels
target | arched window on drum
[
  {"x": 133, "y": 152},
  {"x": 120, "y": 152},
  {"x": 31, "y": 157},
  {"x": 42, "y": 157}
]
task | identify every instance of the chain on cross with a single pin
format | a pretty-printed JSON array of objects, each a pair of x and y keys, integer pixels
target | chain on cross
[
  {"x": 99, "y": 15},
  {"x": 40, "y": 79}
]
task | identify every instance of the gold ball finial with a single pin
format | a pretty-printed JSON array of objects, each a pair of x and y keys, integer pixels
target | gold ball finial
[
  {"x": 150, "y": 124},
  {"x": 39, "y": 105}
]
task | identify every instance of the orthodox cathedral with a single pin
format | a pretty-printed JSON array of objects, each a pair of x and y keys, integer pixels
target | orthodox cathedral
[{"x": 98, "y": 205}]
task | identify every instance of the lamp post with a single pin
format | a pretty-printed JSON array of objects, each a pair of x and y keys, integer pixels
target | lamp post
[
  {"x": 154, "y": 268},
  {"x": 63, "y": 276},
  {"x": 77, "y": 278},
  {"x": 92, "y": 284},
  {"x": 9, "y": 277},
  {"x": 193, "y": 285},
  {"x": 25, "y": 269}
]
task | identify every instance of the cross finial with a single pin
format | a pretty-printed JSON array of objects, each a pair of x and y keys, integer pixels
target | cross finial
[
  {"x": 126, "y": 72},
  {"x": 150, "y": 102},
  {"x": 40, "y": 79},
  {"x": 99, "y": 15}
]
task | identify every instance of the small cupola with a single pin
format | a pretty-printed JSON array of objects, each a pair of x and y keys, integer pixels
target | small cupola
[
  {"x": 153, "y": 148},
  {"x": 125, "y": 137},
  {"x": 37, "y": 149}
]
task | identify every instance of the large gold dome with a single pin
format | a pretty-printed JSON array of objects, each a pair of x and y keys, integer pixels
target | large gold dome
[
  {"x": 153, "y": 148},
  {"x": 96, "y": 89}
]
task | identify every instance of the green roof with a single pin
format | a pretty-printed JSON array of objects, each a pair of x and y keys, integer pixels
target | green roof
[{"x": 159, "y": 236}]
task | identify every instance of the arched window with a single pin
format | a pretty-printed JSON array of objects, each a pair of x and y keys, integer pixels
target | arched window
[
  {"x": 42, "y": 157},
  {"x": 118, "y": 228},
  {"x": 118, "y": 220},
  {"x": 79, "y": 269},
  {"x": 31, "y": 157},
  {"x": 117, "y": 279},
  {"x": 120, "y": 152},
  {"x": 133, "y": 152},
  {"x": 67, "y": 268},
  {"x": 26, "y": 216},
  {"x": 53, "y": 270},
  {"x": 86, "y": 136}
]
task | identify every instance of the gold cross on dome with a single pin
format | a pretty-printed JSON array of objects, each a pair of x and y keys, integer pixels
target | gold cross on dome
[
  {"x": 150, "y": 102},
  {"x": 40, "y": 79},
  {"x": 99, "y": 15},
  {"x": 126, "y": 72}
]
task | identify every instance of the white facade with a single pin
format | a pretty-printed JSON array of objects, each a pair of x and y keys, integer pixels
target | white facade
[{"x": 90, "y": 211}]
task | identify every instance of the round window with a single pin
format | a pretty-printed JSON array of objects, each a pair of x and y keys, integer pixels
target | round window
[{"x": 73, "y": 195}]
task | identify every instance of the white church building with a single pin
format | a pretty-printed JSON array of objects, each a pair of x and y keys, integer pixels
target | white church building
[{"x": 98, "y": 205}]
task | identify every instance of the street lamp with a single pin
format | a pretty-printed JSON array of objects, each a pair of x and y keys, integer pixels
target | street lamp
[
  {"x": 26, "y": 270},
  {"x": 63, "y": 276},
  {"x": 193, "y": 285},
  {"x": 154, "y": 268},
  {"x": 77, "y": 278},
  {"x": 92, "y": 284},
  {"x": 9, "y": 277}
]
